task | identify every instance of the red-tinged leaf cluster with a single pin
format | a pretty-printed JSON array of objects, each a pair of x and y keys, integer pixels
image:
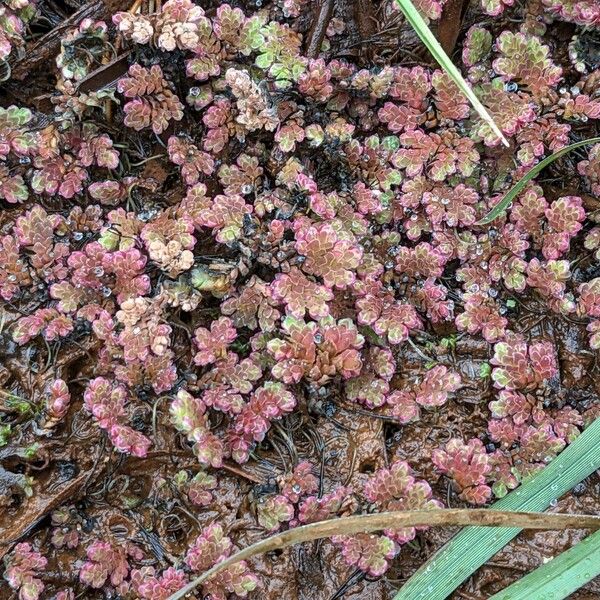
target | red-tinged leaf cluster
[
  {"x": 523, "y": 58},
  {"x": 317, "y": 352},
  {"x": 152, "y": 103},
  {"x": 211, "y": 547},
  {"x": 395, "y": 488},
  {"x": 106, "y": 402},
  {"x": 23, "y": 567},
  {"x": 107, "y": 562},
  {"x": 431, "y": 392},
  {"x": 468, "y": 466},
  {"x": 518, "y": 365}
]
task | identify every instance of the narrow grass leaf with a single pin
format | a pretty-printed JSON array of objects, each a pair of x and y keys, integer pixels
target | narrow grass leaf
[
  {"x": 473, "y": 546},
  {"x": 425, "y": 34},
  {"x": 560, "y": 577},
  {"x": 522, "y": 183}
]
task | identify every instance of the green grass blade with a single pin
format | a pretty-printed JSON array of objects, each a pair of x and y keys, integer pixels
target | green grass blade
[
  {"x": 473, "y": 546},
  {"x": 560, "y": 577},
  {"x": 422, "y": 30},
  {"x": 522, "y": 183}
]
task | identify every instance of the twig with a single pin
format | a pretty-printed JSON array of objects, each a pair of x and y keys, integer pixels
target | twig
[
  {"x": 398, "y": 520},
  {"x": 319, "y": 28}
]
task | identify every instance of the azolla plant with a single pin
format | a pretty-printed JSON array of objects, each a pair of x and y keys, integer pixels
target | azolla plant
[{"x": 242, "y": 243}]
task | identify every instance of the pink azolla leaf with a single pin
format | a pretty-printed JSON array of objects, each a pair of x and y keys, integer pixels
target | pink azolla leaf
[
  {"x": 482, "y": 314},
  {"x": 589, "y": 298},
  {"x": 549, "y": 280},
  {"x": 199, "y": 488},
  {"x": 149, "y": 586},
  {"x": 14, "y": 271},
  {"x": 224, "y": 399},
  {"x": 59, "y": 175},
  {"x": 590, "y": 168},
  {"x": 511, "y": 111},
  {"x": 495, "y": 7},
  {"x": 543, "y": 135},
  {"x": 452, "y": 205},
  {"x": 300, "y": 482},
  {"x": 519, "y": 366},
  {"x": 565, "y": 217},
  {"x": 468, "y": 466},
  {"x": 210, "y": 547},
  {"x": 411, "y": 86},
  {"x": 152, "y": 103},
  {"x": 430, "y": 9},
  {"x": 13, "y": 188},
  {"x": 403, "y": 405},
  {"x": 399, "y": 118},
  {"x": 253, "y": 306},
  {"x": 268, "y": 403},
  {"x": 593, "y": 329},
  {"x": 432, "y": 299},
  {"x": 369, "y": 552},
  {"x": 274, "y": 511},
  {"x": 540, "y": 443},
  {"x": 105, "y": 561},
  {"x": 315, "y": 81},
  {"x": 330, "y": 505},
  {"x": 371, "y": 386},
  {"x": 329, "y": 252},
  {"x": 450, "y": 102},
  {"x": 23, "y": 565},
  {"x": 57, "y": 401},
  {"x": 107, "y": 192},
  {"x": 188, "y": 413},
  {"x": 436, "y": 385},
  {"x": 395, "y": 488},
  {"x": 296, "y": 353},
  {"x": 213, "y": 344},
  {"x": 582, "y": 12},
  {"x": 226, "y": 216},
  {"x": 47, "y": 321},
  {"x": 105, "y": 401},
  {"x": 421, "y": 262},
  {"x": 477, "y": 48},
  {"x": 438, "y": 155},
  {"x": 98, "y": 150},
  {"x": 519, "y": 407},
  {"x": 301, "y": 295},
  {"x": 193, "y": 162},
  {"x": 525, "y": 59},
  {"x": 388, "y": 317},
  {"x": 127, "y": 440},
  {"x": 289, "y": 135}
]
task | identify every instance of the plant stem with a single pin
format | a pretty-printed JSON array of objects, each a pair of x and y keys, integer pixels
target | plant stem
[{"x": 397, "y": 520}]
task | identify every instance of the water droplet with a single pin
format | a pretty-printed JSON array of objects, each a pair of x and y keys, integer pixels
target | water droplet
[
  {"x": 77, "y": 236},
  {"x": 318, "y": 338},
  {"x": 24, "y": 160},
  {"x": 296, "y": 488},
  {"x": 98, "y": 271},
  {"x": 194, "y": 91}
]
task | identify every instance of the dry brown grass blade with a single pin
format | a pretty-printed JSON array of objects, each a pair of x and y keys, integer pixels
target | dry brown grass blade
[{"x": 398, "y": 519}]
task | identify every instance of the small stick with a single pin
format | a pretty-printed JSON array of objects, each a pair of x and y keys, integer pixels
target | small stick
[
  {"x": 398, "y": 520},
  {"x": 319, "y": 28}
]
